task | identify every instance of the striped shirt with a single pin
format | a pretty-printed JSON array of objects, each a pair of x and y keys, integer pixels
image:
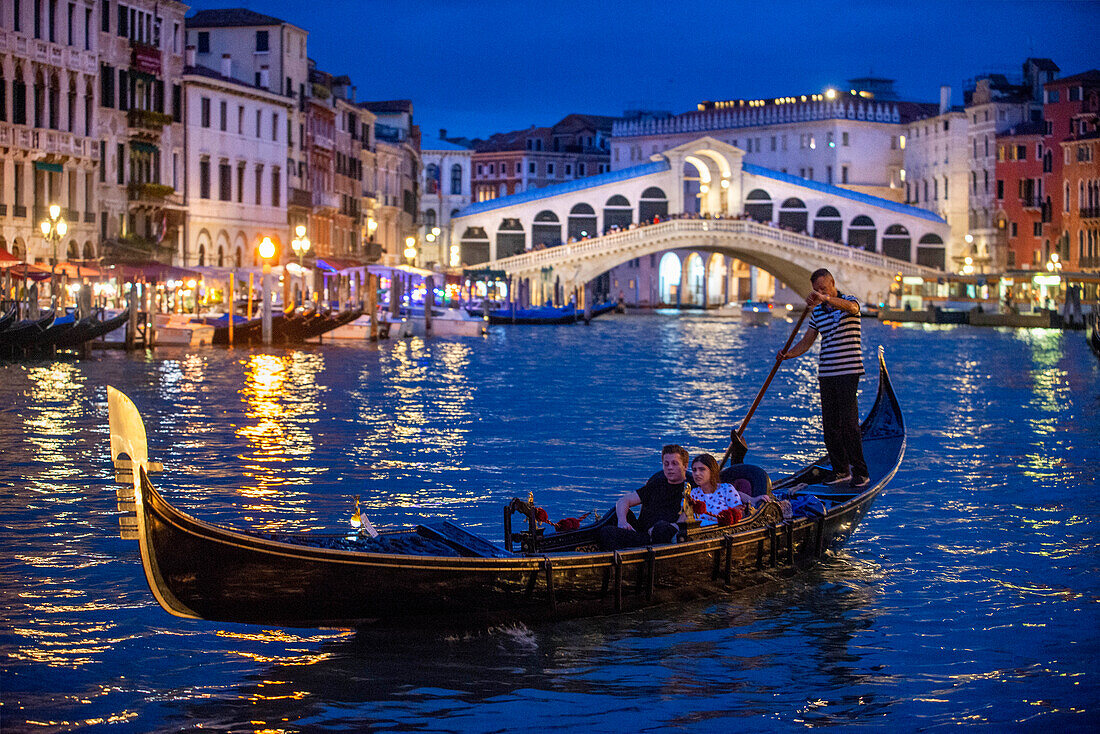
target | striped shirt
[{"x": 841, "y": 350}]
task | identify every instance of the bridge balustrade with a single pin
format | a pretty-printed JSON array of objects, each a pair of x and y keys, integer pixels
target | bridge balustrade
[{"x": 535, "y": 259}]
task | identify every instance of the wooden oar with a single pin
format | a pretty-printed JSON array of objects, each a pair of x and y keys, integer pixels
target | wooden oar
[{"x": 738, "y": 448}]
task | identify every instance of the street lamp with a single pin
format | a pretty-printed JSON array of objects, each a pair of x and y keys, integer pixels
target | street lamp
[
  {"x": 53, "y": 229},
  {"x": 267, "y": 251},
  {"x": 410, "y": 249},
  {"x": 301, "y": 247}
]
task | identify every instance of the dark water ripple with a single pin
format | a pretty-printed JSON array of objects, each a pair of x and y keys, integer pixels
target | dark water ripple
[{"x": 968, "y": 597}]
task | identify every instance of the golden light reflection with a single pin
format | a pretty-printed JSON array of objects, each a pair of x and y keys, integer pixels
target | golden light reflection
[
  {"x": 282, "y": 398},
  {"x": 53, "y": 408}
]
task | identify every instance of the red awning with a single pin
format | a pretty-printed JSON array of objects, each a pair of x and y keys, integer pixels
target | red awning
[
  {"x": 334, "y": 265},
  {"x": 149, "y": 272},
  {"x": 78, "y": 270},
  {"x": 7, "y": 259},
  {"x": 32, "y": 272}
]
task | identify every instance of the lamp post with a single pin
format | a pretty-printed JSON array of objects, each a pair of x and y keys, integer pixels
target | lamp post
[
  {"x": 432, "y": 236},
  {"x": 301, "y": 246},
  {"x": 53, "y": 229},
  {"x": 267, "y": 251},
  {"x": 410, "y": 250}
]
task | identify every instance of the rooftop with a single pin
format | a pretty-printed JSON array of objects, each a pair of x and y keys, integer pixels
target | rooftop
[
  {"x": 229, "y": 18},
  {"x": 567, "y": 187}
]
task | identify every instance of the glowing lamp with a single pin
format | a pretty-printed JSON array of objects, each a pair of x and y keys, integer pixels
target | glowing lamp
[{"x": 267, "y": 248}]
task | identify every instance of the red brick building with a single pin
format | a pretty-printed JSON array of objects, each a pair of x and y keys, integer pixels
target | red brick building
[
  {"x": 1072, "y": 172},
  {"x": 1021, "y": 200}
]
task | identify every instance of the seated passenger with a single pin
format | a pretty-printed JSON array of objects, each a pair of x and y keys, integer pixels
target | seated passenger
[
  {"x": 662, "y": 501},
  {"x": 717, "y": 497}
]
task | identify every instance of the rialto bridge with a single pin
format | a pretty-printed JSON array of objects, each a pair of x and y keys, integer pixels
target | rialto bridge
[{"x": 701, "y": 197}]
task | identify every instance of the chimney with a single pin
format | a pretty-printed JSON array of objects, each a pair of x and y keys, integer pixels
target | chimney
[
  {"x": 442, "y": 133},
  {"x": 227, "y": 65},
  {"x": 945, "y": 99},
  {"x": 189, "y": 55}
]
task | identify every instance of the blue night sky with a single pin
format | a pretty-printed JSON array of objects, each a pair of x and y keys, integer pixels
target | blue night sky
[{"x": 476, "y": 68}]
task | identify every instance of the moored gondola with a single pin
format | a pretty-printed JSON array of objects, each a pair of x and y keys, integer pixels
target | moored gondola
[{"x": 440, "y": 573}]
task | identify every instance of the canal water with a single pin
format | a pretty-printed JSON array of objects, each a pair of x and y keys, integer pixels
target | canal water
[{"x": 968, "y": 596}]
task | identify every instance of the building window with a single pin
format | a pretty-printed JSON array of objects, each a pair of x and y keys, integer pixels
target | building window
[
  {"x": 1012, "y": 228},
  {"x": 262, "y": 42},
  {"x": 240, "y": 183},
  {"x": 258, "y": 118},
  {"x": 204, "y": 42},
  {"x": 549, "y": 169},
  {"x": 1000, "y": 188},
  {"x": 223, "y": 116},
  {"x": 225, "y": 183},
  {"x": 259, "y": 185},
  {"x": 844, "y": 140},
  {"x": 844, "y": 172},
  {"x": 456, "y": 179},
  {"x": 204, "y": 114},
  {"x": 1037, "y": 229},
  {"x": 274, "y": 125},
  {"x": 204, "y": 178},
  {"x": 276, "y": 196}
]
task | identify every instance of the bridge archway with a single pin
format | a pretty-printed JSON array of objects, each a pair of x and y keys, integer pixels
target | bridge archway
[
  {"x": 546, "y": 229},
  {"x": 828, "y": 225},
  {"x": 758, "y": 205},
  {"x": 793, "y": 215},
  {"x": 716, "y": 279},
  {"x": 931, "y": 252},
  {"x": 695, "y": 281},
  {"x": 862, "y": 233},
  {"x": 582, "y": 222},
  {"x": 896, "y": 242},
  {"x": 510, "y": 238},
  {"x": 617, "y": 212},
  {"x": 652, "y": 205},
  {"x": 668, "y": 279},
  {"x": 475, "y": 245}
]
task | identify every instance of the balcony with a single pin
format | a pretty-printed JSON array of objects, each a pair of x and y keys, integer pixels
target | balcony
[
  {"x": 301, "y": 198},
  {"x": 148, "y": 193},
  {"x": 1031, "y": 202},
  {"x": 1090, "y": 212},
  {"x": 325, "y": 200},
  {"x": 147, "y": 120}
]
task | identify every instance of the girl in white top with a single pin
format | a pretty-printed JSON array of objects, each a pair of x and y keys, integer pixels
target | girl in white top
[{"x": 716, "y": 497}]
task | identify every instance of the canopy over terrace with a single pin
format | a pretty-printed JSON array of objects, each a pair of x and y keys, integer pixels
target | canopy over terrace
[
  {"x": 7, "y": 260},
  {"x": 151, "y": 272}
]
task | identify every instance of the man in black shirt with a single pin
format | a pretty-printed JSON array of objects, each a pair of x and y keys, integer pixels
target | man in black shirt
[{"x": 662, "y": 501}]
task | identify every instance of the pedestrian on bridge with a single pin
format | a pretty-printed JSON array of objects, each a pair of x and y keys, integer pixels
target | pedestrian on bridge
[{"x": 835, "y": 317}]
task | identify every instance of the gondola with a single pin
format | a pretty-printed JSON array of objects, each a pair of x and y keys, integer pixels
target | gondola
[
  {"x": 542, "y": 315},
  {"x": 24, "y": 332},
  {"x": 9, "y": 318},
  {"x": 89, "y": 328},
  {"x": 442, "y": 574},
  {"x": 325, "y": 324}
]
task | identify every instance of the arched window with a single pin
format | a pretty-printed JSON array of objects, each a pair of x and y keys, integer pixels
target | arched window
[
  {"x": 429, "y": 218},
  {"x": 475, "y": 246},
  {"x": 202, "y": 255},
  {"x": 792, "y": 215},
  {"x": 456, "y": 179},
  {"x": 510, "y": 238},
  {"x": 617, "y": 213},
  {"x": 652, "y": 205},
  {"x": 828, "y": 224},
  {"x": 896, "y": 243},
  {"x": 582, "y": 222},
  {"x": 758, "y": 205},
  {"x": 546, "y": 230},
  {"x": 431, "y": 179},
  {"x": 221, "y": 257},
  {"x": 931, "y": 252},
  {"x": 862, "y": 233}
]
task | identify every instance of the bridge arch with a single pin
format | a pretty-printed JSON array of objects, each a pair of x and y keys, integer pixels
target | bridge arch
[
  {"x": 617, "y": 212},
  {"x": 582, "y": 221},
  {"x": 931, "y": 252},
  {"x": 652, "y": 205},
  {"x": 896, "y": 243},
  {"x": 716, "y": 279},
  {"x": 758, "y": 205},
  {"x": 695, "y": 281},
  {"x": 862, "y": 233},
  {"x": 546, "y": 229},
  {"x": 828, "y": 225},
  {"x": 475, "y": 245},
  {"x": 792, "y": 214},
  {"x": 669, "y": 275},
  {"x": 510, "y": 238}
]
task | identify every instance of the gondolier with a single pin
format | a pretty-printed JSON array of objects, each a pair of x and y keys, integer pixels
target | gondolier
[{"x": 835, "y": 317}]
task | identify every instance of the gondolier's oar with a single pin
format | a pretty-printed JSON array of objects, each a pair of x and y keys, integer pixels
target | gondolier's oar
[{"x": 738, "y": 448}]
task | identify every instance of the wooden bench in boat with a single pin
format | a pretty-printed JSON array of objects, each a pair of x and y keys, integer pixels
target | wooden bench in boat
[{"x": 461, "y": 540}]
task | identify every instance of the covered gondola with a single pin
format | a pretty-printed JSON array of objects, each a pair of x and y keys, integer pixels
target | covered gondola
[
  {"x": 443, "y": 574},
  {"x": 1094, "y": 333},
  {"x": 542, "y": 315}
]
